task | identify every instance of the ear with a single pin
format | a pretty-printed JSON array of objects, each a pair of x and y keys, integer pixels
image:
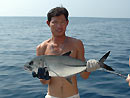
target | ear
[
  {"x": 67, "y": 22},
  {"x": 48, "y": 23}
]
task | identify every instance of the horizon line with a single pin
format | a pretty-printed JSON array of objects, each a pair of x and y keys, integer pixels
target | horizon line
[{"x": 71, "y": 16}]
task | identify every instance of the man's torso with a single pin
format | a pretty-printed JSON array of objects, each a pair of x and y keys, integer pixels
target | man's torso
[{"x": 58, "y": 86}]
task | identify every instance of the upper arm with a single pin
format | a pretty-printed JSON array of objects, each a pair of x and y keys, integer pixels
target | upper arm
[
  {"x": 80, "y": 48},
  {"x": 80, "y": 56},
  {"x": 40, "y": 50}
]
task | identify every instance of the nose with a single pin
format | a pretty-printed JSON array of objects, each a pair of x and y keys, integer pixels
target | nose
[{"x": 59, "y": 25}]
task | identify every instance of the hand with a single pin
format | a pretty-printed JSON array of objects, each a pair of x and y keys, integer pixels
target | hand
[
  {"x": 92, "y": 65},
  {"x": 128, "y": 79},
  {"x": 42, "y": 74}
]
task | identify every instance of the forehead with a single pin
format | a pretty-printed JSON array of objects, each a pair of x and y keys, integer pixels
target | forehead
[{"x": 61, "y": 17}]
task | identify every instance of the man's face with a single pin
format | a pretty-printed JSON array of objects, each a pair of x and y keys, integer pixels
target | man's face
[{"x": 58, "y": 25}]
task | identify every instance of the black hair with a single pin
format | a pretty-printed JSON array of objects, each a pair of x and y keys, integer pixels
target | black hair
[{"x": 57, "y": 12}]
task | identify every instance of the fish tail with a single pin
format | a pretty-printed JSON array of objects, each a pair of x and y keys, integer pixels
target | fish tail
[
  {"x": 107, "y": 67},
  {"x": 101, "y": 61}
]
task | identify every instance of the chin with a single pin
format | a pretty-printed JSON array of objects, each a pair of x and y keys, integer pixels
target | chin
[
  {"x": 57, "y": 34},
  {"x": 60, "y": 33}
]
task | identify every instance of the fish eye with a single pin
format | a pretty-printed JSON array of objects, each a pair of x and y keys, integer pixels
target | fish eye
[{"x": 31, "y": 63}]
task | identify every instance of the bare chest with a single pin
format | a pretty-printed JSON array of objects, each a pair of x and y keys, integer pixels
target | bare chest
[{"x": 55, "y": 50}]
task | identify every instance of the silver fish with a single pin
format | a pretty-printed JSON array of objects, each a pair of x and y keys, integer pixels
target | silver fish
[{"x": 61, "y": 66}]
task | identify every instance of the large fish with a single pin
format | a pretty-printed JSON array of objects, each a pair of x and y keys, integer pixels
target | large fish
[{"x": 62, "y": 66}]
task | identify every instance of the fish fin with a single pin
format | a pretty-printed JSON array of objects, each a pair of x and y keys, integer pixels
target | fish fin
[
  {"x": 104, "y": 65},
  {"x": 107, "y": 67},
  {"x": 54, "y": 73},
  {"x": 67, "y": 53},
  {"x": 69, "y": 79},
  {"x": 104, "y": 57}
]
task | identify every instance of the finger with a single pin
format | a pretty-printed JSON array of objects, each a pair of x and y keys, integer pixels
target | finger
[
  {"x": 47, "y": 73},
  {"x": 34, "y": 74},
  {"x": 47, "y": 76},
  {"x": 41, "y": 70}
]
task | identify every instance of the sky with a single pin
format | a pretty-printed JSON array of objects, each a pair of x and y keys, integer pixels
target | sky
[{"x": 76, "y": 8}]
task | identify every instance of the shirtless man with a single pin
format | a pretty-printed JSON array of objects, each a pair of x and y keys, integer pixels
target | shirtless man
[{"x": 58, "y": 44}]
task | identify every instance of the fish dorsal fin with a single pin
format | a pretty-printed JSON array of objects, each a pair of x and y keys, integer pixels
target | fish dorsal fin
[{"x": 67, "y": 53}]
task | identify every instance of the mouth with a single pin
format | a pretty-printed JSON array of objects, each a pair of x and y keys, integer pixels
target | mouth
[
  {"x": 28, "y": 68},
  {"x": 59, "y": 30}
]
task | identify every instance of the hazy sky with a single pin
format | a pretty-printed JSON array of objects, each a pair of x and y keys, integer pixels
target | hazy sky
[{"x": 76, "y": 8}]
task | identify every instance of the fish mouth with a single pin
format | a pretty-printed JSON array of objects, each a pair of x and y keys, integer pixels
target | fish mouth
[
  {"x": 25, "y": 68},
  {"x": 28, "y": 68}
]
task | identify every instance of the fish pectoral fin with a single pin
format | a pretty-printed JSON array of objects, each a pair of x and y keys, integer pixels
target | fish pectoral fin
[
  {"x": 53, "y": 73},
  {"x": 69, "y": 79},
  {"x": 67, "y": 53}
]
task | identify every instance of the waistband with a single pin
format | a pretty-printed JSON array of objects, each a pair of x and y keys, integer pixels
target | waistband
[{"x": 74, "y": 96}]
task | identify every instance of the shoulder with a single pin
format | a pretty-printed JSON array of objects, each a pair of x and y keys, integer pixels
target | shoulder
[
  {"x": 42, "y": 45},
  {"x": 77, "y": 42},
  {"x": 79, "y": 47},
  {"x": 40, "y": 50}
]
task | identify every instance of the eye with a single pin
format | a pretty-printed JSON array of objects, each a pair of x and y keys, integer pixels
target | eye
[
  {"x": 31, "y": 63},
  {"x": 63, "y": 22}
]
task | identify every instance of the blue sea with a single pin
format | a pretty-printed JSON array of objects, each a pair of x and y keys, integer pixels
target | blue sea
[{"x": 19, "y": 37}]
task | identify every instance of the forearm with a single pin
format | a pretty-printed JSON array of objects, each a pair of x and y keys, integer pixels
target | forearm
[{"x": 85, "y": 75}]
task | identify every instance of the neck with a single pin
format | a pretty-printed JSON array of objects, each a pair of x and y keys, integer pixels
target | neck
[{"x": 58, "y": 40}]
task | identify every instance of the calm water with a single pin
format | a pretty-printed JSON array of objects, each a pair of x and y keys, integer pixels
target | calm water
[{"x": 20, "y": 36}]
